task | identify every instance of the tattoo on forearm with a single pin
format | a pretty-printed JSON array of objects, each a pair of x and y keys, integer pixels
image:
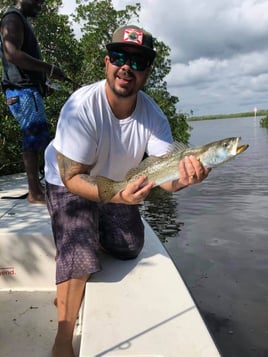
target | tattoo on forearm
[
  {"x": 88, "y": 178},
  {"x": 69, "y": 168}
]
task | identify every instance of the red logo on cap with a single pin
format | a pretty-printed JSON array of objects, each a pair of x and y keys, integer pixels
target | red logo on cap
[{"x": 133, "y": 35}]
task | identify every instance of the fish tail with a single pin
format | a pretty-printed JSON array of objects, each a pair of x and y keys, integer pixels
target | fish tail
[{"x": 107, "y": 188}]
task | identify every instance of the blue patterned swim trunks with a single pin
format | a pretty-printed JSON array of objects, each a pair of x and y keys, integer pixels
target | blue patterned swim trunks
[{"x": 27, "y": 107}]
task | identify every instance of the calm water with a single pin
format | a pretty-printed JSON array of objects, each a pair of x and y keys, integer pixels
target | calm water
[{"x": 217, "y": 235}]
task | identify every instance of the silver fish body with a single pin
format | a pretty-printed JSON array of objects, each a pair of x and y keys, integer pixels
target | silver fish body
[{"x": 165, "y": 168}]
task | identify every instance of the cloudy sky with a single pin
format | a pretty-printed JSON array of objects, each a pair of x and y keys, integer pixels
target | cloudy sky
[{"x": 219, "y": 51}]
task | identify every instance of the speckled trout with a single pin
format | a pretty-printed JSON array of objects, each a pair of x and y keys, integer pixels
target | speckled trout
[{"x": 165, "y": 168}]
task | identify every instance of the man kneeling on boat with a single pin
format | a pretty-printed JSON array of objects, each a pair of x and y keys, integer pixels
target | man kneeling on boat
[{"x": 104, "y": 129}]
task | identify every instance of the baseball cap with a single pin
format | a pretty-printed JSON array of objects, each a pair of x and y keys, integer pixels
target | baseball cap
[{"x": 132, "y": 36}]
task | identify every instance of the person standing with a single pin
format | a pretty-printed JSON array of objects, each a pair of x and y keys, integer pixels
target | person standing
[
  {"x": 24, "y": 77},
  {"x": 104, "y": 129}
]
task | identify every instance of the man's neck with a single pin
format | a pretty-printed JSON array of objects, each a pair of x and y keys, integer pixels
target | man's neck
[{"x": 122, "y": 107}]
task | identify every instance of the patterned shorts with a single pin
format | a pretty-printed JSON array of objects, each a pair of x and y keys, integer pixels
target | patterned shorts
[
  {"x": 27, "y": 107},
  {"x": 81, "y": 226}
]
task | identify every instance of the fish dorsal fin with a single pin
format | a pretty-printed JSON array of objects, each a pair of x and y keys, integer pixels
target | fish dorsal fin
[
  {"x": 177, "y": 146},
  {"x": 143, "y": 165}
]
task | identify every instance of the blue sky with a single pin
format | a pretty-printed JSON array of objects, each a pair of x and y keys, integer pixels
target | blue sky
[{"x": 219, "y": 51}]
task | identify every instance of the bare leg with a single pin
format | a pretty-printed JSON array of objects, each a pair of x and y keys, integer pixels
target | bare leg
[
  {"x": 70, "y": 294},
  {"x": 31, "y": 164}
]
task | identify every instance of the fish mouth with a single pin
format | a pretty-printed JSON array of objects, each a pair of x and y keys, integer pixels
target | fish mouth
[{"x": 241, "y": 148}]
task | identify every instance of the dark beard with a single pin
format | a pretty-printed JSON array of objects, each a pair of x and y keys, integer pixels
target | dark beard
[{"x": 120, "y": 94}]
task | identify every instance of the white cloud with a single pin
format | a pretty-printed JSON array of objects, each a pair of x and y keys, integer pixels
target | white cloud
[{"x": 202, "y": 70}]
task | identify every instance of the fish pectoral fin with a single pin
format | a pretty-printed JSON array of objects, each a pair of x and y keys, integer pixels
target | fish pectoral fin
[{"x": 107, "y": 188}]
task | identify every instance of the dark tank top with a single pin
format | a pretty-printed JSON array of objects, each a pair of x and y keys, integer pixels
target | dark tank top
[{"x": 15, "y": 77}]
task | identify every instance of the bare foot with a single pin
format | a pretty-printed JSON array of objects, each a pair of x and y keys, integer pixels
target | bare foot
[
  {"x": 37, "y": 198},
  {"x": 63, "y": 350}
]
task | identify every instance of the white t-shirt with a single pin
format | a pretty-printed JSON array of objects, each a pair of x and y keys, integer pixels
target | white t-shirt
[{"x": 89, "y": 133}]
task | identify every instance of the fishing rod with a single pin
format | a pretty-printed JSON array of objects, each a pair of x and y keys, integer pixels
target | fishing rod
[
  {"x": 57, "y": 86},
  {"x": 75, "y": 84}
]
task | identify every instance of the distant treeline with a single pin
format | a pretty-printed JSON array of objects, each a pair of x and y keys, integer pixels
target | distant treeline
[{"x": 228, "y": 116}]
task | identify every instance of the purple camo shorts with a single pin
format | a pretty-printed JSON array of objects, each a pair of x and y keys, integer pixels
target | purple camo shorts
[
  {"x": 81, "y": 226},
  {"x": 27, "y": 107}
]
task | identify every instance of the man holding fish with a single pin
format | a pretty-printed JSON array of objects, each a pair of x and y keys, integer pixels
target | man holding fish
[{"x": 103, "y": 131}]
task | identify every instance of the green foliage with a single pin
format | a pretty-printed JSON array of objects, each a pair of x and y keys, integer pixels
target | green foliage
[
  {"x": 264, "y": 122},
  {"x": 82, "y": 60},
  {"x": 228, "y": 116},
  {"x": 57, "y": 40}
]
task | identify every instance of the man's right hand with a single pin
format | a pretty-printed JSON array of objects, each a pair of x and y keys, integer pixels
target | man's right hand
[
  {"x": 57, "y": 73},
  {"x": 135, "y": 192}
]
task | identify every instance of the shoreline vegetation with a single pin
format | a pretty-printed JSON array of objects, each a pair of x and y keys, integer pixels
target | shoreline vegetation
[{"x": 263, "y": 112}]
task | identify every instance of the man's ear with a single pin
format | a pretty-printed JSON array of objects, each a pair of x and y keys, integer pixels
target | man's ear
[
  {"x": 148, "y": 71},
  {"x": 106, "y": 59},
  {"x": 106, "y": 62}
]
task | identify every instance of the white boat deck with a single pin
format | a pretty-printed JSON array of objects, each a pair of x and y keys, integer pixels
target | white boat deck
[{"x": 132, "y": 308}]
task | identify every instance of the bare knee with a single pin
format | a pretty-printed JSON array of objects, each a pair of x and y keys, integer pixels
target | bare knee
[{"x": 126, "y": 254}]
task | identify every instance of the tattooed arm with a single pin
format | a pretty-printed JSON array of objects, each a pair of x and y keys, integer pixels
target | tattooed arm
[{"x": 76, "y": 177}]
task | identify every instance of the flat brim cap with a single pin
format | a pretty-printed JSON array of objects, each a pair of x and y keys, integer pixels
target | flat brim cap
[{"x": 132, "y": 36}]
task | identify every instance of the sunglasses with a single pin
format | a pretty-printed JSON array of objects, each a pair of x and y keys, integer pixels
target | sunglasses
[{"x": 137, "y": 62}]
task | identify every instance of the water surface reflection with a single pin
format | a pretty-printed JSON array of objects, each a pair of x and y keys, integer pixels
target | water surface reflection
[{"x": 216, "y": 233}]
